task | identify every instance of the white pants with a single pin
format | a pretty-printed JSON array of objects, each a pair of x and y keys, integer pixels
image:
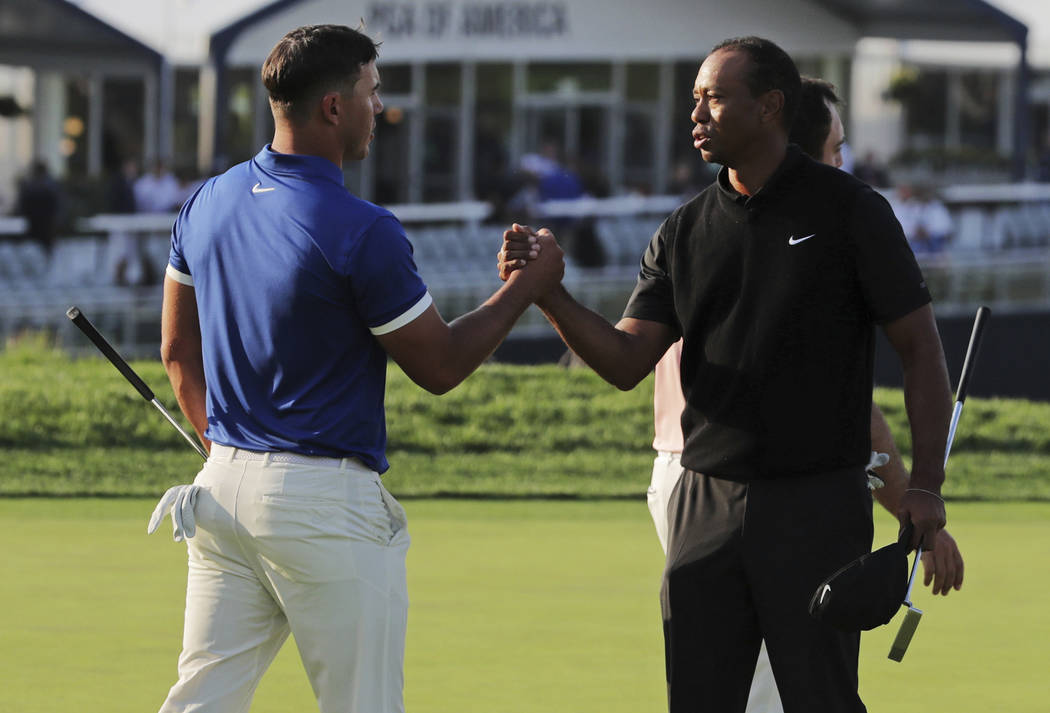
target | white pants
[
  {"x": 764, "y": 697},
  {"x": 314, "y": 548}
]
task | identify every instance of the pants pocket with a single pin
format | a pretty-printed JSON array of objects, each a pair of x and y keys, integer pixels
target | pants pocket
[{"x": 396, "y": 513}]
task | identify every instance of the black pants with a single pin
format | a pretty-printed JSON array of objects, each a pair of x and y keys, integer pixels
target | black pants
[{"x": 743, "y": 560}]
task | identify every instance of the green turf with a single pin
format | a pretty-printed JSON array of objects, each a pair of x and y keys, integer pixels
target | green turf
[
  {"x": 526, "y": 606},
  {"x": 70, "y": 427}
]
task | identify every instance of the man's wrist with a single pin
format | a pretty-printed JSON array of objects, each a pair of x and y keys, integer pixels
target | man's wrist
[
  {"x": 929, "y": 479},
  {"x": 552, "y": 298},
  {"x": 923, "y": 491}
]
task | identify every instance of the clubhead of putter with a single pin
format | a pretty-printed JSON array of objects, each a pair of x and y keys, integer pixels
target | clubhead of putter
[{"x": 904, "y": 634}]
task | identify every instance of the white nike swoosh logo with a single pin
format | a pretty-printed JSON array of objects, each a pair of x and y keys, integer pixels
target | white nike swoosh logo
[
  {"x": 827, "y": 588},
  {"x": 795, "y": 241},
  {"x": 257, "y": 188}
]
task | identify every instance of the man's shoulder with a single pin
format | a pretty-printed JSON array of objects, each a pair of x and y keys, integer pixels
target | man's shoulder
[
  {"x": 832, "y": 187},
  {"x": 814, "y": 175},
  {"x": 367, "y": 208}
]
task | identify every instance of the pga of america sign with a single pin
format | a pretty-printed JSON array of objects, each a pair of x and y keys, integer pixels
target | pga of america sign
[{"x": 469, "y": 20}]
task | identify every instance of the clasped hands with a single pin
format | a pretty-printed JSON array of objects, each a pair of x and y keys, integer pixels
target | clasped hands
[{"x": 522, "y": 245}]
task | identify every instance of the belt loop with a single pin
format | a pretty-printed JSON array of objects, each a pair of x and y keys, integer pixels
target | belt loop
[
  {"x": 344, "y": 463},
  {"x": 266, "y": 458},
  {"x": 229, "y": 454}
]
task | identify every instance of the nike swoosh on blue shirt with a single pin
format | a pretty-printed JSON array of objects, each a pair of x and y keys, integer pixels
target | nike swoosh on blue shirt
[
  {"x": 257, "y": 188},
  {"x": 795, "y": 241}
]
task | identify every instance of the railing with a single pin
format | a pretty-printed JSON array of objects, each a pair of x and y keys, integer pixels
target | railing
[
  {"x": 1000, "y": 255},
  {"x": 12, "y": 225}
]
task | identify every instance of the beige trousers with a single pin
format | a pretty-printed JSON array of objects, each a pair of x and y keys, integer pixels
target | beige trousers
[{"x": 315, "y": 548}]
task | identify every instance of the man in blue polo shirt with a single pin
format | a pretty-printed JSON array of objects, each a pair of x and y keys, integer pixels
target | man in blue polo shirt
[{"x": 284, "y": 296}]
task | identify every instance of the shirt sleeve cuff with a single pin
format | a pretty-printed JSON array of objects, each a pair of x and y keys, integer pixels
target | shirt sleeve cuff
[
  {"x": 410, "y": 314},
  {"x": 181, "y": 277}
]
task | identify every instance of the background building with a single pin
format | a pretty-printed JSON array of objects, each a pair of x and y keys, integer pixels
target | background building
[{"x": 473, "y": 86}]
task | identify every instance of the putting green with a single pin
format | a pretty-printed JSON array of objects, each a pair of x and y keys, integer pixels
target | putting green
[{"x": 525, "y": 606}]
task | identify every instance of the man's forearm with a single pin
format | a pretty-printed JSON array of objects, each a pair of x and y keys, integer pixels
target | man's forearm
[
  {"x": 475, "y": 335},
  {"x": 928, "y": 398},
  {"x": 187, "y": 381},
  {"x": 927, "y": 393},
  {"x": 619, "y": 357},
  {"x": 929, "y": 411}
]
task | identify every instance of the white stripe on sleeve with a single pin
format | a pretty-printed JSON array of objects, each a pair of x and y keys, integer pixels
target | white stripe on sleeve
[
  {"x": 180, "y": 277},
  {"x": 410, "y": 314}
]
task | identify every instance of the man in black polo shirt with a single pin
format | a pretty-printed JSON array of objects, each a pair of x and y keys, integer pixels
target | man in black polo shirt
[{"x": 775, "y": 277}]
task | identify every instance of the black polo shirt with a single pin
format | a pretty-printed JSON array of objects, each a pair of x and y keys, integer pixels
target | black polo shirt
[{"x": 777, "y": 297}]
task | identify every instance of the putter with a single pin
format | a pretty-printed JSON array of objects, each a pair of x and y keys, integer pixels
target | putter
[
  {"x": 78, "y": 318},
  {"x": 913, "y": 614}
]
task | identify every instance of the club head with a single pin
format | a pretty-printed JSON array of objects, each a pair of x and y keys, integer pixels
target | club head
[{"x": 904, "y": 634}]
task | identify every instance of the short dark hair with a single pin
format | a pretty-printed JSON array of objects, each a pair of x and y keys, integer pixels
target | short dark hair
[
  {"x": 771, "y": 68},
  {"x": 813, "y": 121},
  {"x": 312, "y": 60}
]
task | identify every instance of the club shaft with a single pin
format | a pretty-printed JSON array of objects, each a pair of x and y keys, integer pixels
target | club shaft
[
  {"x": 956, "y": 412},
  {"x": 914, "y": 570},
  {"x": 972, "y": 349},
  {"x": 969, "y": 363},
  {"x": 84, "y": 324},
  {"x": 189, "y": 439}
]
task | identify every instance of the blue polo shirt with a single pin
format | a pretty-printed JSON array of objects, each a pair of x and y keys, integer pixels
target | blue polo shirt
[{"x": 294, "y": 276}]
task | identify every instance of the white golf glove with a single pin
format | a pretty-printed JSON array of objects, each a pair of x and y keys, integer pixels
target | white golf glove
[
  {"x": 180, "y": 499},
  {"x": 877, "y": 460}
]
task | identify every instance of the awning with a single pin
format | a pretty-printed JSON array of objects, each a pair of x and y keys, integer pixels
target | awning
[{"x": 55, "y": 34}]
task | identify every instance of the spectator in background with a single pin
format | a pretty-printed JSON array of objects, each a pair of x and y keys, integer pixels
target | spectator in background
[
  {"x": 158, "y": 191},
  {"x": 124, "y": 251},
  {"x": 544, "y": 162},
  {"x": 689, "y": 177},
  {"x": 40, "y": 202},
  {"x": 563, "y": 183},
  {"x": 189, "y": 181},
  {"x": 925, "y": 219},
  {"x": 871, "y": 171}
]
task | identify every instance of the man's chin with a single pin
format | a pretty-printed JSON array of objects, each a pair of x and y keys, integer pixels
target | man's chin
[
  {"x": 709, "y": 156},
  {"x": 356, "y": 155}
]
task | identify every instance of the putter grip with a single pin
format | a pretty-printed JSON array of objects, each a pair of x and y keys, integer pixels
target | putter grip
[
  {"x": 78, "y": 318},
  {"x": 971, "y": 352}
]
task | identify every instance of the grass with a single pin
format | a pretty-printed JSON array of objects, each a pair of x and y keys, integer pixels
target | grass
[
  {"x": 75, "y": 427},
  {"x": 517, "y": 606}
]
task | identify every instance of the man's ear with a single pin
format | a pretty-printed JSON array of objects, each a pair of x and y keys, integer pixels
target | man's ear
[
  {"x": 330, "y": 107},
  {"x": 772, "y": 104}
]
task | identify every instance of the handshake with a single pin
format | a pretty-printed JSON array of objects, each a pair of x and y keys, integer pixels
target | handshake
[{"x": 533, "y": 257}]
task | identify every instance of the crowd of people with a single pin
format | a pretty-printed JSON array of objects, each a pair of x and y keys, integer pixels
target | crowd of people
[
  {"x": 546, "y": 174},
  {"x": 46, "y": 205}
]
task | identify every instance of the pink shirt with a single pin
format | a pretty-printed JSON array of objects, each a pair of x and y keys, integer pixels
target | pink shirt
[{"x": 668, "y": 401}]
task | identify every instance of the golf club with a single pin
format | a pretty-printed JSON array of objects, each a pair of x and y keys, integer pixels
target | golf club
[
  {"x": 913, "y": 614},
  {"x": 80, "y": 320}
]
